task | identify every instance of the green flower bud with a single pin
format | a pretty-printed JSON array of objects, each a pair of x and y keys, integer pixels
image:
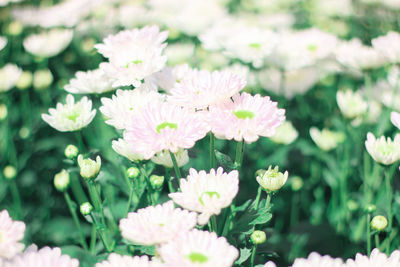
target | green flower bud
[
  {"x": 258, "y": 237},
  {"x": 156, "y": 181},
  {"x": 3, "y": 112},
  {"x": 25, "y": 80},
  {"x": 86, "y": 208},
  {"x": 89, "y": 169},
  {"x": 42, "y": 79},
  {"x": 379, "y": 223},
  {"x": 61, "y": 181},
  {"x": 132, "y": 172},
  {"x": 71, "y": 151},
  {"x": 296, "y": 183},
  {"x": 14, "y": 28},
  {"x": 370, "y": 208},
  {"x": 10, "y": 172},
  {"x": 24, "y": 132},
  {"x": 352, "y": 205},
  {"x": 271, "y": 180}
]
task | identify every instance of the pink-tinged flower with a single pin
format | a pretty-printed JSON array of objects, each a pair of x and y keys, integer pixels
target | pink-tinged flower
[
  {"x": 11, "y": 233},
  {"x": 169, "y": 76},
  {"x": 316, "y": 260},
  {"x": 206, "y": 89},
  {"x": 124, "y": 149},
  {"x": 269, "y": 264},
  {"x": 395, "y": 119},
  {"x": 207, "y": 193},
  {"x": 376, "y": 259},
  {"x": 156, "y": 225},
  {"x": 246, "y": 118},
  {"x": 198, "y": 248},
  {"x": 164, "y": 127},
  {"x": 116, "y": 260},
  {"x": 133, "y": 55},
  {"x": 89, "y": 82},
  {"x": 44, "y": 257}
]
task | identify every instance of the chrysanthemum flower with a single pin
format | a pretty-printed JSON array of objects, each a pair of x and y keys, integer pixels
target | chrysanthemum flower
[
  {"x": 156, "y": 225},
  {"x": 207, "y": 193},
  {"x": 198, "y": 248},
  {"x": 44, "y": 257},
  {"x": 351, "y": 104},
  {"x": 123, "y": 148},
  {"x": 285, "y": 134},
  {"x": 246, "y": 118},
  {"x": 89, "y": 82},
  {"x": 326, "y": 139},
  {"x": 116, "y": 260},
  {"x": 376, "y": 259},
  {"x": 120, "y": 109},
  {"x": 316, "y": 260},
  {"x": 169, "y": 76},
  {"x": 164, "y": 158},
  {"x": 269, "y": 264},
  {"x": 11, "y": 233},
  {"x": 49, "y": 43},
  {"x": 395, "y": 119},
  {"x": 164, "y": 127},
  {"x": 9, "y": 76},
  {"x": 133, "y": 55},
  {"x": 382, "y": 150},
  {"x": 206, "y": 89},
  {"x": 71, "y": 116},
  {"x": 389, "y": 46}
]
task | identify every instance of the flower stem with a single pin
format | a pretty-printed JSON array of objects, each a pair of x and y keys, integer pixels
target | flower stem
[
  {"x": 79, "y": 139},
  {"x": 212, "y": 148},
  {"x": 93, "y": 238},
  {"x": 176, "y": 167},
  {"x": 214, "y": 226},
  {"x": 257, "y": 201},
  {"x": 100, "y": 230},
  {"x": 368, "y": 234},
  {"x": 389, "y": 197},
  {"x": 268, "y": 201},
  {"x": 377, "y": 240},
  {"x": 169, "y": 180},
  {"x": 239, "y": 154},
  {"x": 77, "y": 189},
  {"x": 16, "y": 198},
  {"x": 72, "y": 209},
  {"x": 253, "y": 255}
]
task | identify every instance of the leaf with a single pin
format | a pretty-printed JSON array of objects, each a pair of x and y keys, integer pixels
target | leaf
[
  {"x": 85, "y": 258},
  {"x": 225, "y": 161},
  {"x": 245, "y": 253},
  {"x": 251, "y": 217},
  {"x": 149, "y": 250}
]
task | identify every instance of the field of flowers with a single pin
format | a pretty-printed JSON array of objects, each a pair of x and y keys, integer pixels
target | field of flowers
[{"x": 211, "y": 133}]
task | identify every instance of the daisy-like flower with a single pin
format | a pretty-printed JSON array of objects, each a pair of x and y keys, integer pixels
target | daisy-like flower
[
  {"x": 124, "y": 149},
  {"x": 388, "y": 45},
  {"x": 44, "y": 257},
  {"x": 169, "y": 76},
  {"x": 326, "y": 139},
  {"x": 156, "y": 225},
  {"x": 3, "y": 42},
  {"x": 89, "y": 82},
  {"x": 164, "y": 158},
  {"x": 71, "y": 116},
  {"x": 11, "y": 235},
  {"x": 271, "y": 180},
  {"x": 351, "y": 104},
  {"x": 133, "y": 55},
  {"x": 164, "y": 127},
  {"x": 285, "y": 134},
  {"x": 316, "y": 260},
  {"x": 116, "y": 260},
  {"x": 376, "y": 259},
  {"x": 246, "y": 118},
  {"x": 198, "y": 248},
  {"x": 9, "y": 76},
  {"x": 395, "y": 119},
  {"x": 382, "y": 150},
  {"x": 206, "y": 89},
  {"x": 49, "y": 43},
  {"x": 207, "y": 193},
  {"x": 120, "y": 109}
]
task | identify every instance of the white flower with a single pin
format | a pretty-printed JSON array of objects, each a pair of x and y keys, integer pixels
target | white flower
[
  {"x": 316, "y": 260},
  {"x": 382, "y": 150},
  {"x": 156, "y": 225},
  {"x": 126, "y": 103},
  {"x": 207, "y": 193},
  {"x": 89, "y": 82},
  {"x": 351, "y": 104},
  {"x": 269, "y": 264},
  {"x": 89, "y": 168},
  {"x": 11, "y": 235},
  {"x": 395, "y": 119},
  {"x": 376, "y": 259},
  {"x": 169, "y": 76},
  {"x": 124, "y": 149},
  {"x": 44, "y": 257},
  {"x": 285, "y": 134},
  {"x": 116, "y": 260},
  {"x": 164, "y": 158},
  {"x": 389, "y": 46},
  {"x": 71, "y": 116},
  {"x": 3, "y": 42},
  {"x": 325, "y": 139},
  {"x": 6, "y": 2},
  {"x": 49, "y": 43},
  {"x": 198, "y": 248},
  {"x": 9, "y": 76}
]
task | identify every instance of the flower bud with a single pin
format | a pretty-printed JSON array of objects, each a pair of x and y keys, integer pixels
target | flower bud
[
  {"x": 271, "y": 180},
  {"x": 3, "y": 112},
  {"x": 156, "y": 181},
  {"x": 25, "y": 80},
  {"x": 296, "y": 183},
  {"x": 258, "y": 237},
  {"x": 10, "y": 172},
  {"x": 86, "y": 208},
  {"x": 285, "y": 134},
  {"x": 132, "y": 172},
  {"x": 24, "y": 132},
  {"x": 71, "y": 151},
  {"x": 14, "y": 28},
  {"x": 89, "y": 168},
  {"x": 42, "y": 79},
  {"x": 352, "y": 205},
  {"x": 379, "y": 223},
  {"x": 370, "y": 208},
  {"x": 61, "y": 181}
]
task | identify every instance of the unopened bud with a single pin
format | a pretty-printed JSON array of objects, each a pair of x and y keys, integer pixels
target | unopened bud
[
  {"x": 61, "y": 181},
  {"x": 258, "y": 237},
  {"x": 271, "y": 180},
  {"x": 10, "y": 172},
  {"x": 296, "y": 183},
  {"x": 379, "y": 223},
  {"x": 25, "y": 80},
  {"x": 71, "y": 151},
  {"x": 156, "y": 181},
  {"x": 24, "y": 132},
  {"x": 42, "y": 79},
  {"x": 86, "y": 208},
  {"x": 89, "y": 169},
  {"x": 3, "y": 112},
  {"x": 132, "y": 172},
  {"x": 15, "y": 28},
  {"x": 370, "y": 208}
]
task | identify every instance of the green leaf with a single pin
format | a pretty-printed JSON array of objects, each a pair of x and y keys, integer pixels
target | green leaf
[
  {"x": 251, "y": 217},
  {"x": 245, "y": 253},
  {"x": 85, "y": 258},
  {"x": 225, "y": 161}
]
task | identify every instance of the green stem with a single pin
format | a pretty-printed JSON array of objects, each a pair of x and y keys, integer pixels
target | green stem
[
  {"x": 377, "y": 240},
  {"x": 76, "y": 220},
  {"x": 77, "y": 189},
  {"x": 239, "y": 154},
  {"x": 227, "y": 222},
  {"x": 16, "y": 198},
  {"x": 169, "y": 180},
  {"x": 253, "y": 255},
  {"x": 369, "y": 234},
  {"x": 268, "y": 201},
  {"x": 176, "y": 167},
  {"x": 257, "y": 201},
  {"x": 100, "y": 230},
  {"x": 214, "y": 226},
  {"x": 93, "y": 238},
  {"x": 79, "y": 139},
  {"x": 389, "y": 197},
  {"x": 212, "y": 153}
]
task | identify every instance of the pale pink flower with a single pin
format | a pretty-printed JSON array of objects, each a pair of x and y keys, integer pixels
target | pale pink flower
[
  {"x": 89, "y": 82},
  {"x": 207, "y": 193},
  {"x": 11, "y": 235},
  {"x": 395, "y": 119},
  {"x": 164, "y": 127},
  {"x": 376, "y": 259},
  {"x": 156, "y": 225},
  {"x": 206, "y": 89},
  {"x": 46, "y": 257},
  {"x": 269, "y": 264},
  {"x": 198, "y": 248},
  {"x": 246, "y": 118},
  {"x": 116, "y": 260},
  {"x": 169, "y": 76},
  {"x": 316, "y": 260}
]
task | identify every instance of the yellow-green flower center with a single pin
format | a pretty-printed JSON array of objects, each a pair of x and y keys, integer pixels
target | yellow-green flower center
[
  {"x": 73, "y": 115},
  {"x": 166, "y": 124},
  {"x": 208, "y": 193},
  {"x": 312, "y": 48},
  {"x": 244, "y": 114},
  {"x": 134, "y": 62},
  {"x": 196, "y": 257},
  {"x": 255, "y": 45}
]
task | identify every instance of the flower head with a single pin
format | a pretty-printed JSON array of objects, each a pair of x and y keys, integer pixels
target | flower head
[
  {"x": 246, "y": 118},
  {"x": 395, "y": 119},
  {"x": 389, "y": 46},
  {"x": 379, "y": 223},
  {"x": 285, "y": 134},
  {"x": 89, "y": 82},
  {"x": 122, "y": 147},
  {"x": 89, "y": 168},
  {"x": 44, "y": 257},
  {"x": 382, "y": 150},
  {"x": 11, "y": 235},
  {"x": 164, "y": 158},
  {"x": 376, "y": 258},
  {"x": 271, "y": 180},
  {"x": 316, "y": 260},
  {"x": 326, "y": 139},
  {"x": 9, "y": 76},
  {"x": 116, "y": 260},
  {"x": 71, "y": 116},
  {"x": 351, "y": 104},
  {"x": 156, "y": 225},
  {"x": 207, "y": 193},
  {"x": 49, "y": 43},
  {"x": 198, "y": 248}
]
